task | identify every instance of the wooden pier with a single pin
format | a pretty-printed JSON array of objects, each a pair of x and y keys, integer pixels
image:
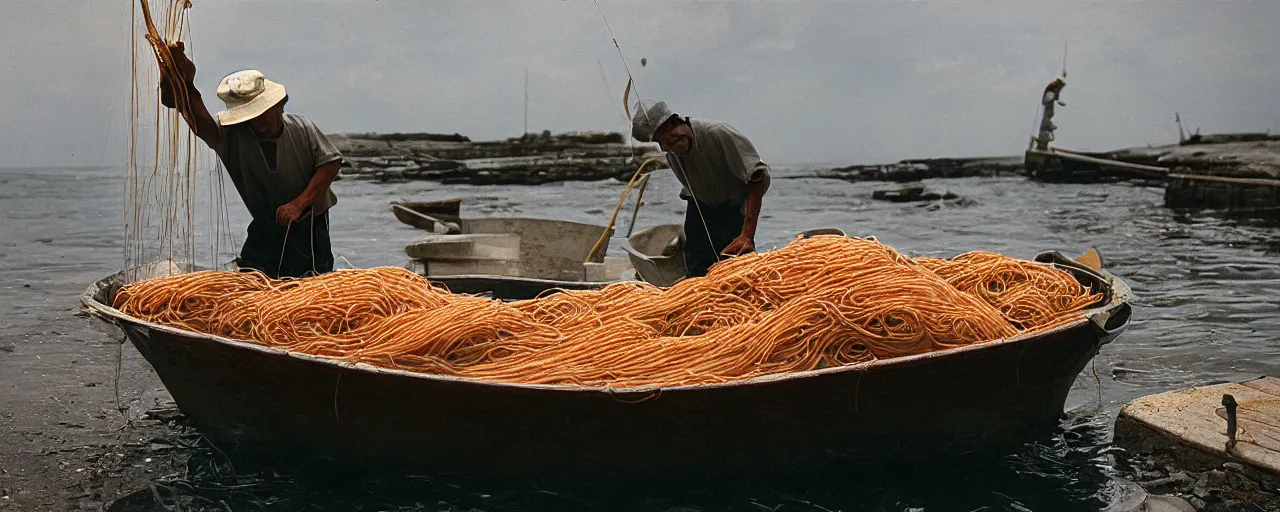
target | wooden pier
[{"x": 1209, "y": 426}]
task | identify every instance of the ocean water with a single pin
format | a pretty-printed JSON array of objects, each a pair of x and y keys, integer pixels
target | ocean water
[{"x": 1207, "y": 309}]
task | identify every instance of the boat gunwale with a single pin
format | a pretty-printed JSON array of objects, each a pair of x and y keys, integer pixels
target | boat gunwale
[
  {"x": 540, "y": 219},
  {"x": 1120, "y": 295}
]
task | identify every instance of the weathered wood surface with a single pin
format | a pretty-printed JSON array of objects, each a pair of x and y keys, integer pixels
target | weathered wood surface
[{"x": 1195, "y": 418}]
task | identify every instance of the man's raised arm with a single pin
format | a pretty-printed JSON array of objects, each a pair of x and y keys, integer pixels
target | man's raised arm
[{"x": 195, "y": 113}]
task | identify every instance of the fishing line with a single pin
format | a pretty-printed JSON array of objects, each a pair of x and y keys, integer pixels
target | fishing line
[
  {"x": 284, "y": 246},
  {"x": 312, "y": 236},
  {"x": 609, "y": 92},
  {"x": 1097, "y": 381},
  {"x": 161, "y": 196},
  {"x": 119, "y": 367}
]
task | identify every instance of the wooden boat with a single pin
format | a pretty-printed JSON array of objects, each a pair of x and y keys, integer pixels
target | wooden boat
[
  {"x": 260, "y": 403},
  {"x": 503, "y": 256}
]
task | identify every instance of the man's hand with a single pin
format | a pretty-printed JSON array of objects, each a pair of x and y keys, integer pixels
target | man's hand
[
  {"x": 177, "y": 77},
  {"x": 739, "y": 246},
  {"x": 288, "y": 213},
  {"x": 186, "y": 74}
]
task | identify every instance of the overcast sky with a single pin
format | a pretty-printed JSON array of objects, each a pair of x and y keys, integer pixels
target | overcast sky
[{"x": 808, "y": 82}]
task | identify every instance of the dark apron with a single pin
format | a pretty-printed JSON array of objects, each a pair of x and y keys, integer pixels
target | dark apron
[
  {"x": 723, "y": 222},
  {"x": 304, "y": 251}
]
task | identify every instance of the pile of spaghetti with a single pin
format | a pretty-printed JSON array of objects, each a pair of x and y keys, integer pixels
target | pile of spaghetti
[{"x": 817, "y": 302}]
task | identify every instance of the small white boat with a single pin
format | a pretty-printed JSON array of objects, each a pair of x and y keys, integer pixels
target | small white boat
[
  {"x": 520, "y": 257},
  {"x": 537, "y": 249}
]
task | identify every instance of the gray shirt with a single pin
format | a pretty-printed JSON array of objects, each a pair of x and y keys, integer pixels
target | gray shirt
[
  {"x": 720, "y": 165},
  {"x": 299, "y": 150}
]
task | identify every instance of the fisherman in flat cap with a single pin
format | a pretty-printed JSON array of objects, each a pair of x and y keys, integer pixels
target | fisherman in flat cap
[
  {"x": 281, "y": 164},
  {"x": 724, "y": 182}
]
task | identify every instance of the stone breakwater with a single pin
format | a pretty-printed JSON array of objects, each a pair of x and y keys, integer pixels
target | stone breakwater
[
  {"x": 528, "y": 160},
  {"x": 1232, "y": 156},
  {"x": 929, "y": 168},
  {"x": 1210, "y": 171}
]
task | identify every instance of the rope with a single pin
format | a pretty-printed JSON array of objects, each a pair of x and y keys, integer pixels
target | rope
[
  {"x": 161, "y": 196},
  {"x": 285, "y": 245}
]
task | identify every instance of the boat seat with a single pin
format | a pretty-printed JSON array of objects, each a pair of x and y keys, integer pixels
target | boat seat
[{"x": 472, "y": 246}]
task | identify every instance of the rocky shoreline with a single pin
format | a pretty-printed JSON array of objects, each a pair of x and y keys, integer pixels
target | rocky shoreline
[
  {"x": 589, "y": 156},
  {"x": 455, "y": 159},
  {"x": 929, "y": 168},
  {"x": 1233, "y": 155}
]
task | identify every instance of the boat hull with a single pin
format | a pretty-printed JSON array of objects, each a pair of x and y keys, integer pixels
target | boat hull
[{"x": 257, "y": 402}]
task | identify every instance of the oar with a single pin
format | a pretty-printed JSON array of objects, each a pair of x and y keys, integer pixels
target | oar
[
  {"x": 597, "y": 250},
  {"x": 1091, "y": 259},
  {"x": 438, "y": 226}
]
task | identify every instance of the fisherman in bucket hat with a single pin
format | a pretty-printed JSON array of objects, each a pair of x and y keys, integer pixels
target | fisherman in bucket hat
[
  {"x": 724, "y": 182},
  {"x": 281, "y": 164}
]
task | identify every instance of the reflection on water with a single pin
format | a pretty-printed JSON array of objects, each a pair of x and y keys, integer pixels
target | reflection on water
[{"x": 1068, "y": 471}]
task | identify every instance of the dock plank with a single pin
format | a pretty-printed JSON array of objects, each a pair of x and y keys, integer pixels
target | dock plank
[
  {"x": 1268, "y": 385},
  {"x": 1195, "y": 417}
]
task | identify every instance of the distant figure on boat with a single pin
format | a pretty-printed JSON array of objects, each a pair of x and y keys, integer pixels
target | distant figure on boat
[
  {"x": 1052, "y": 94},
  {"x": 724, "y": 182},
  {"x": 281, "y": 164}
]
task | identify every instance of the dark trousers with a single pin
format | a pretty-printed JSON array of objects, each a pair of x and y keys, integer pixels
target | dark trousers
[
  {"x": 304, "y": 250},
  {"x": 723, "y": 224}
]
